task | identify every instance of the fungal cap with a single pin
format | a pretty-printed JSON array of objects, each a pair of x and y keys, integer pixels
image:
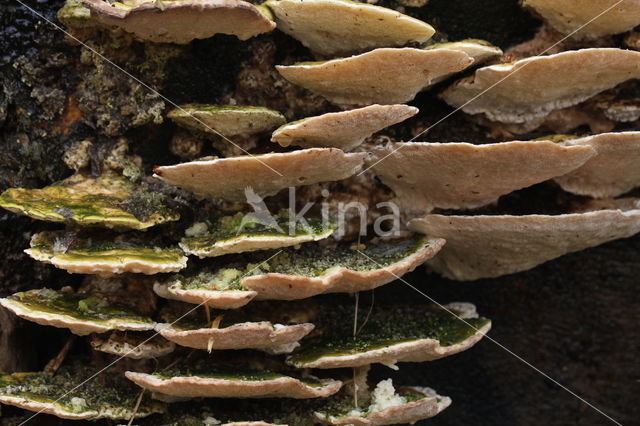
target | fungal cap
[
  {"x": 83, "y": 201},
  {"x": 531, "y": 88},
  {"x": 184, "y": 20},
  {"x": 247, "y": 335},
  {"x": 245, "y": 233},
  {"x": 570, "y": 17},
  {"x": 91, "y": 256},
  {"x": 491, "y": 246},
  {"x": 383, "y": 76},
  {"x": 391, "y": 407},
  {"x": 479, "y": 50},
  {"x": 614, "y": 170},
  {"x": 259, "y": 384},
  {"x": 237, "y": 178},
  {"x": 82, "y": 315},
  {"x": 472, "y": 175},
  {"x": 345, "y": 130},
  {"x": 449, "y": 335},
  {"x": 217, "y": 299},
  {"x": 334, "y": 27},
  {"x": 227, "y": 120},
  {"x": 129, "y": 345},
  {"x": 340, "y": 277}
]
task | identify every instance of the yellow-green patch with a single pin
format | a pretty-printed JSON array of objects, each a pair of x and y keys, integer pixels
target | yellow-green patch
[
  {"x": 228, "y": 120},
  {"x": 245, "y": 232},
  {"x": 110, "y": 201}
]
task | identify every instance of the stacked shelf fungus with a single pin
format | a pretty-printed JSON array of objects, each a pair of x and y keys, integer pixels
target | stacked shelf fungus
[{"x": 220, "y": 276}]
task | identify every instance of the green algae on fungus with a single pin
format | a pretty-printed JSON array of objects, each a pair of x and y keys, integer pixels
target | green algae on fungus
[
  {"x": 107, "y": 397},
  {"x": 106, "y": 201},
  {"x": 245, "y": 232},
  {"x": 82, "y": 314},
  {"x": 405, "y": 334},
  {"x": 290, "y": 273},
  {"x": 74, "y": 15},
  {"x": 335, "y": 27},
  {"x": 227, "y": 120},
  {"x": 184, "y": 20},
  {"x": 85, "y": 255},
  {"x": 232, "y": 383}
]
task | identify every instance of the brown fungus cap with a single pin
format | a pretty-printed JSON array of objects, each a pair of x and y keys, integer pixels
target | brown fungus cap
[
  {"x": 228, "y": 120},
  {"x": 491, "y": 246},
  {"x": 345, "y": 130},
  {"x": 384, "y": 76},
  {"x": 425, "y": 175},
  {"x": 217, "y": 299},
  {"x": 480, "y": 51},
  {"x": 336, "y": 27},
  {"x": 568, "y": 16},
  {"x": 533, "y": 87},
  {"x": 614, "y": 170},
  {"x": 228, "y": 386},
  {"x": 263, "y": 335},
  {"x": 184, "y": 20},
  {"x": 265, "y": 174}
]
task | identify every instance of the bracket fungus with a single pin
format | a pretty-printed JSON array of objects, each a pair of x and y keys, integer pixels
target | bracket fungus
[
  {"x": 491, "y": 246},
  {"x": 480, "y": 51},
  {"x": 107, "y": 200},
  {"x": 132, "y": 345},
  {"x": 264, "y": 175},
  {"x": 614, "y": 170},
  {"x": 82, "y": 314},
  {"x": 345, "y": 130},
  {"x": 182, "y": 21},
  {"x": 336, "y": 27},
  {"x": 245, "y": 233},
  {"x": 383, "y": 76},
  {"x": 297, "y": 274},
  {"x": 391, "y": 336},
  {"x": 389, "y": 406},
  {"x": 79, "y": 255},
  {"x": 531, "y": 88},
  {"x": 233, "y": 384},
  {"x": 576, "y": 17},
  {"x": 263, "y": 335},
  {"x": 452, "y": 175},
  {"x": 228, "y": 120},
  {"x": 110, "y": 397}
]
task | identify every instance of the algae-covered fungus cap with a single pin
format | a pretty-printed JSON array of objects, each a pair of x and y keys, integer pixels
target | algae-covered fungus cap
[
  {"x": 226, "y": 383},
  {"x": 247, "y": 232},
  {"x": 388, "y": 406},
  {"x": 425, "y": 176},
  {"x": 81, "y": 313},
  {"x": 109, "y": 396},
  {"x": 383, "y": 76},
  {"x": 110, "y": 201},
  {"x": 614, "y": 170},
  {"x": 336, "y": 27},
  {"x": 241, "y": 178},
  {"x": 291, "y": 274},
  {"x": 229, "y": 120},
  {"x": 345, "y": 130},
  {"x": 182, "y": 21},
  {"x": 408, "y": 334},
  {"x": 576, "y": 17},
  {"x": 132, "y": 345},
  {"x": 85, "y": 255},
  {"x": 491, "y": 246},
  {"x": 533, "y": 87}
]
